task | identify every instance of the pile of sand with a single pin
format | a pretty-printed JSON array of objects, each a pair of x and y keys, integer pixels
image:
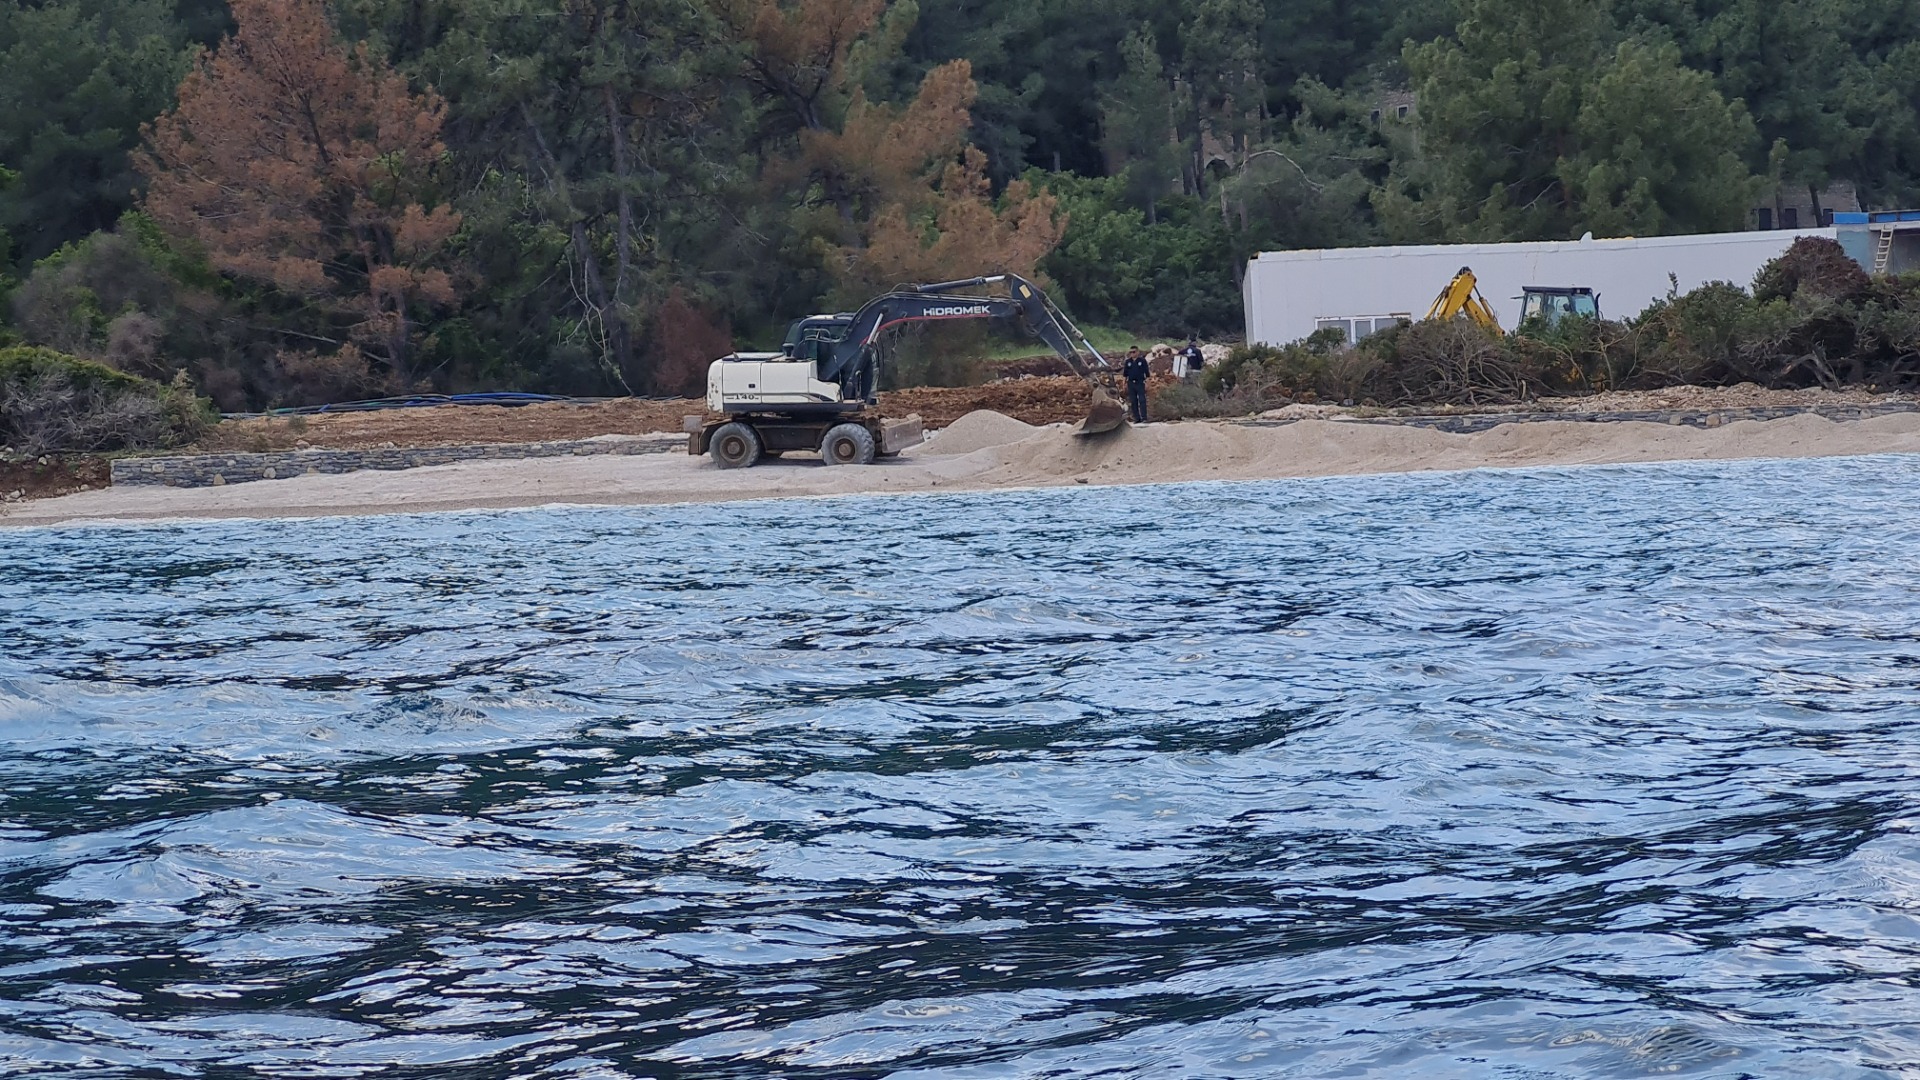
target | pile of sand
[
  {"x": 1164, "y": 453},
  {"x": 978, "y": 430}
]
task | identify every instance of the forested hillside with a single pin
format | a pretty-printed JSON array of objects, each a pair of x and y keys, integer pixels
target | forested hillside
[{"x": 292, "y": 200}]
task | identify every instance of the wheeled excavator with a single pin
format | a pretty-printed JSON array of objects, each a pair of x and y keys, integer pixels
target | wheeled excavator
[
  {"x": 1549, "y": 302},
  {"x": 819, "y": 391}
]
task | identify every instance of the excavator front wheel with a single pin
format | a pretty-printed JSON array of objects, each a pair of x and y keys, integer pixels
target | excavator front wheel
[
  {"x": 734, "y": 446},
  {"x": 847, "y": 444}
]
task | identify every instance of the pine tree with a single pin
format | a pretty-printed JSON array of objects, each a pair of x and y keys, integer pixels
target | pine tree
[
  {"x": 971, "y": 232},
  {"x": 307, "y": 166},
  {"x": 1138, "y": 122},
  {"x": 909, "y": 194},
  {"x": 600, "y": 146},
  {"x": 1534, "y": 124},
  {"x": 77, "y": 79}
]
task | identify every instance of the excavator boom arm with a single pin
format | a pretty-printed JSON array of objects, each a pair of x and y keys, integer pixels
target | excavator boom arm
[{"x": 854, "y": 361}]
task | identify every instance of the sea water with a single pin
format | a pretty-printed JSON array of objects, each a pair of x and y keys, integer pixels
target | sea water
[{"x": 1604, "y": 772}]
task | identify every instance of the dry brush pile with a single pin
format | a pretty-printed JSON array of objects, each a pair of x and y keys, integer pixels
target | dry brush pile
[{"x": 53, "y": 403}]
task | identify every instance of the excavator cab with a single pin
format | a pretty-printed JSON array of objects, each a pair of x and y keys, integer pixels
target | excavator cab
[
  {"x": 841, "y": 345},
  {"x": 1553, "y": 303},
  {"x": 813, "y": 337}
]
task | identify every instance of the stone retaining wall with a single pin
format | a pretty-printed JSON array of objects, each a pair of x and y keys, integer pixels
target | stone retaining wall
[
  {"x": 1471, "y": 423},
  {"x": 214, "y": 470}
]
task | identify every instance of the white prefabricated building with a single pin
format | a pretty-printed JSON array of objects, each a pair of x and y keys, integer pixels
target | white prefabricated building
[{"x": 1290, "y": 294}]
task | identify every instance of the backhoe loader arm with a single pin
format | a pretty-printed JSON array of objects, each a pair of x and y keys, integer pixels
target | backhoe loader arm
[{"x": 1462, "y": 297}]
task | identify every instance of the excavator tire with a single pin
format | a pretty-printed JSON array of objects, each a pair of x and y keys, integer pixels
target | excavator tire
[
  {"x": 847, "y": 444},
  {"x": 734, "y": 446}
]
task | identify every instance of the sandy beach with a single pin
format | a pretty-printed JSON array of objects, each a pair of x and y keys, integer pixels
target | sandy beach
[{"x": 986, "y": 451}]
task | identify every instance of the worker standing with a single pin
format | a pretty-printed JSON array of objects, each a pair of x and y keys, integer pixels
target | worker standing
[
  {"x": 1190, "y": 360},
  {"x": 1135, "y": 369}
]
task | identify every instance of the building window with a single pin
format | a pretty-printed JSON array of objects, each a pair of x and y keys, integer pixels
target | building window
[
  {"x": 1353, "y": 329},
  {"x": 1789, "y": 217},
  {"x": 1763, "y": 217},
  {"x": 1401, "y": 112}
]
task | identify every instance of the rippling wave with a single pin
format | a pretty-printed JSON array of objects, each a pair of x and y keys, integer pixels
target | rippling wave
[{"x": 1578, "y": 773}]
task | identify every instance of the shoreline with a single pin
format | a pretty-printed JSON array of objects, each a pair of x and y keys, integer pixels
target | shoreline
[{"x": 987, "y": 452}]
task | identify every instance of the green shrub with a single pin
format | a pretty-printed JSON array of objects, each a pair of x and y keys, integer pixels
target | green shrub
[
  {"x": 188, "y": 415},
  {"x": 1185, "y": 401},
  {"x": 51, "y": 402},
  {"x": 1288, "y": 371},
  {"x": 948, "y": 356},
  {"x": 1576, "y": 355},
  {"x": 1168, "y": 275},
  {"x": 1812, "y": 266},
  {"x": 1702, "y": 337},
  {"x": 1450, "y": 362},
  {"x": 130, "y": 300},
  {"x": 1887, "y": 346}
]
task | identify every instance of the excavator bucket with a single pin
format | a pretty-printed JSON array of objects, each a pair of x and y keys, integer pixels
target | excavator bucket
[{"x": 1104, "y": 415}]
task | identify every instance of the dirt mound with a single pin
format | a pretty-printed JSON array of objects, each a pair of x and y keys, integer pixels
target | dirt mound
[
  {"x": 1030, "y": 366},
  {"x": 978, "y": 430},
  {"x": 43, "y": 478},
  {"x": 1054, "y": 400},
  {"x": 453, "y": 425},
  {"x": 1044, "y": 400}
]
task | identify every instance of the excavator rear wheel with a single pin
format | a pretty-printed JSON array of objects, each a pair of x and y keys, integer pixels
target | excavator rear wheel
[
  {"x": 734, "y": 446},
  {"x": 847, "y": 444}
]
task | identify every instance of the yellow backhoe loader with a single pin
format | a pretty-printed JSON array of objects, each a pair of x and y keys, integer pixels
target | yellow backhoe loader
[{"x": 1549, "y": 302}]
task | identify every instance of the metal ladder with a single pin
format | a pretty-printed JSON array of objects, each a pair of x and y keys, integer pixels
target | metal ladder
[{"x": 1883, "y": 254}]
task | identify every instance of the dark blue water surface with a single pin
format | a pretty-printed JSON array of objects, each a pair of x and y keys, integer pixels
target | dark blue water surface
[{"x": 1582, "y": 773}]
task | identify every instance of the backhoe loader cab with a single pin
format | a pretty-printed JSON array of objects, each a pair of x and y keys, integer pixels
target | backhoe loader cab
[
  {"x": 1461, "y": 298},
  {"x": 1553, "y": 303}
]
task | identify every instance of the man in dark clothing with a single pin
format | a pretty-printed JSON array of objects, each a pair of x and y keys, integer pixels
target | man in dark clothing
[
  {"x": 1192, "y": 360},
  {"x": 1135, "y": 369}
]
